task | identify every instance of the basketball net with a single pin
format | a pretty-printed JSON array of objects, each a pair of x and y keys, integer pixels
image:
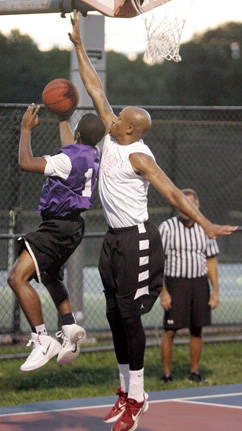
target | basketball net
[{"x": 164, "y": 28}]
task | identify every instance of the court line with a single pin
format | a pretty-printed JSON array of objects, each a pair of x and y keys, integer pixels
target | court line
[
  {"x": 198, "y": 397},
  {"x": 207, "y": 404},
  {"x": 56, "y": 410},
  {"x": 101, "y": 406},
  {"x": 210, "y": 396}
]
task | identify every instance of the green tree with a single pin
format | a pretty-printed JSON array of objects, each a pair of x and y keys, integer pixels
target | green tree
[
  {"x": 210, "y": 72},
  {"x": 25, "y": 70}
]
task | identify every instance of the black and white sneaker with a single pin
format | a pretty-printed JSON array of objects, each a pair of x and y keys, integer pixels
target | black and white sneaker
[
  {"x": 166, "y": 378},
  {"x": 195, "y": 377}
]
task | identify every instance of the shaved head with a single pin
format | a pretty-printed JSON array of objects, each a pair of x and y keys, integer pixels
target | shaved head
[
  {"x": 130, "y": 125},
  {"x": 139, "y": 118}
]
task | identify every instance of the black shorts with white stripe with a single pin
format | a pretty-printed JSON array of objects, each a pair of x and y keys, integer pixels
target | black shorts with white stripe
[
  {"x": 131, "y": 267},
  {"x": 52, "y": 244}
]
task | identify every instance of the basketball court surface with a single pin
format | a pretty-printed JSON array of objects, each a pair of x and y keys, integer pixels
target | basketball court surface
[{"x": 216, "y": 408}]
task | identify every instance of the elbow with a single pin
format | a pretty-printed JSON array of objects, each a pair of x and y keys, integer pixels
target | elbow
[
  {"x": 23, "y": 165},
  {"x": 23, "y": 168}
]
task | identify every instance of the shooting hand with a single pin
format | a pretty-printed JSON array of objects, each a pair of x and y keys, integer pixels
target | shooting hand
[{"x": 30, "y": 119}]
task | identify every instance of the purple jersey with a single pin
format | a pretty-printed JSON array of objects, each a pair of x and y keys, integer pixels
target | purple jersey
[{"x": 59, "y": 197}]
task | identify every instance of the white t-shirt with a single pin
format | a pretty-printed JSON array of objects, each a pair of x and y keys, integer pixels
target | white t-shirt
[
  {"x": 123, "y": 193},
  {"x": 58, "y": 165}
]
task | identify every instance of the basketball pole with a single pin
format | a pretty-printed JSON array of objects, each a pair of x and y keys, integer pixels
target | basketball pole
[{"x": 92, "y": 34}]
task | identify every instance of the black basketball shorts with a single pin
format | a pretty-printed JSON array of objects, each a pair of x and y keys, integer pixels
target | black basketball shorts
[
  {"x": 52, "y": 244},
  {"x": 131, "y": 268},
  {"x": 189, "y": 307}
]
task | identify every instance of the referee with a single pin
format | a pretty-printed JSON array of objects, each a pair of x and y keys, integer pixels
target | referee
[{"x": 190, "y": 259}]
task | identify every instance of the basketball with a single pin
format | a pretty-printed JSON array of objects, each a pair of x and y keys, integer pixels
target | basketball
[{"x": 60, "y": 97}]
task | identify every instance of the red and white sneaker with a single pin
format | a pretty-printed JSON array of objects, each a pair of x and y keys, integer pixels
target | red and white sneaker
[
  {"x": 118, "y": 408},
  {"x": 130, "y": 418}
]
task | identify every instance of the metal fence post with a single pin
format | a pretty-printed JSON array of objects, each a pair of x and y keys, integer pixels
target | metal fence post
[
  {"x": 14, "y": 212},
  {"x": 75, "y": 282}
]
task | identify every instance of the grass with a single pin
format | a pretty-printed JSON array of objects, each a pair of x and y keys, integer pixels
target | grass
[{"x": 96, "y": 374}]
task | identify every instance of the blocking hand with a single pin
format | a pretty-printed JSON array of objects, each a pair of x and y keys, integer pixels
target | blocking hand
[{"x": 75, "y": 35}]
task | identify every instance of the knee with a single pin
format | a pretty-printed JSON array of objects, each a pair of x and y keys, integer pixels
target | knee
[
  {"x": 196, "y": 332},
  {"x": 169, "y": 334},
  {"x": 115, "y": 321},
  {"x": 112, "y": 312},
  {"x": 16, "y": 279},
  {"x": 133, "y": 327},
  {"x": 13, "y": 280}
]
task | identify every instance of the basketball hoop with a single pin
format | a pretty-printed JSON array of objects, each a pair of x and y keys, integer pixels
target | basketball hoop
[{"x": 164, "y": 28}]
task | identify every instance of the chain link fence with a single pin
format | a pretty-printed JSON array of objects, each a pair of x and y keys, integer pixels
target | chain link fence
[{"x": 197, "y": 147}]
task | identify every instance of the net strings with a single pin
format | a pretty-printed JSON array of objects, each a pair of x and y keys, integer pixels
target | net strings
[{"x": 164, "y": 34}]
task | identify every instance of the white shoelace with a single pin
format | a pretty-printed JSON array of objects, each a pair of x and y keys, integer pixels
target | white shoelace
[
  {"x": 35, "y": 348},
  {"x": 61, "y": 334}
]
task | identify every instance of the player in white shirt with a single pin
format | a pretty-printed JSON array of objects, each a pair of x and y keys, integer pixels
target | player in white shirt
[{"x": 130, "y": 262}]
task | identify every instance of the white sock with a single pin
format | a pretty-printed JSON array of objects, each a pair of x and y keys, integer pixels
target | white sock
[
  {"x": 124, "y": 377},
  {"x": 136, "y": 385},
  {"x": 41, "y": 329}
]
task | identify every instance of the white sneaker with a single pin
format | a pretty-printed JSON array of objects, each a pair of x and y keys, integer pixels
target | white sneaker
[
  {"x": 45, "y": 347},
  {"x": 73, "y": 335}
]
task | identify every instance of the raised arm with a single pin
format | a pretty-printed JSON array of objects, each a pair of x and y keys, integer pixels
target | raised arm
[
  {"x": 66, "y": 135},
  {"x": 26, "y": 160},
  {"x": 145, "y": 166},
  {"x": 89, "y": 76}
]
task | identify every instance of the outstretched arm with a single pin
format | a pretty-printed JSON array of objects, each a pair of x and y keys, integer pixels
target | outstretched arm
[
  {"x": 26, "y": 160},
  {"x": 89, "y": 76},
  {"x": 145, "y": 166},
  {"x": 66, "y": 135}
]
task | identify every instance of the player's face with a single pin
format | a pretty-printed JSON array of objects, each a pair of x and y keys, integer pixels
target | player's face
[
  {"x": 186, "y": 219},
  {"x": 119, "y": 126}
]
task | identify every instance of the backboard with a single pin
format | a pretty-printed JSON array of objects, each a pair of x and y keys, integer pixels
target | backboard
[{"x": 121, "y": 8}]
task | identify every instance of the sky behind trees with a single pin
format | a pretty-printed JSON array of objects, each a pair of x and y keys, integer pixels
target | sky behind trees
[
  {"x": 126, "y": 36},
  {"x": 210, "y": 72}
]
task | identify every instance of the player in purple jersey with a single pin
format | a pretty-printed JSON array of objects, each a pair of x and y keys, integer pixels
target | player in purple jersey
[{"x": 71, "y": 179}]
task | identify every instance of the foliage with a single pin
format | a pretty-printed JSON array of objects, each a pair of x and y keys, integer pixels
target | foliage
[
  {"x": 210, "y": 72},
  {"x": 95, "y": 374},
  {"x": 25, "y": 70}
]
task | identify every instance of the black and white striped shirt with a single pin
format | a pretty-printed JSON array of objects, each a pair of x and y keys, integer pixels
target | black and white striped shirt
[{"x": 186, "y": 249}]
